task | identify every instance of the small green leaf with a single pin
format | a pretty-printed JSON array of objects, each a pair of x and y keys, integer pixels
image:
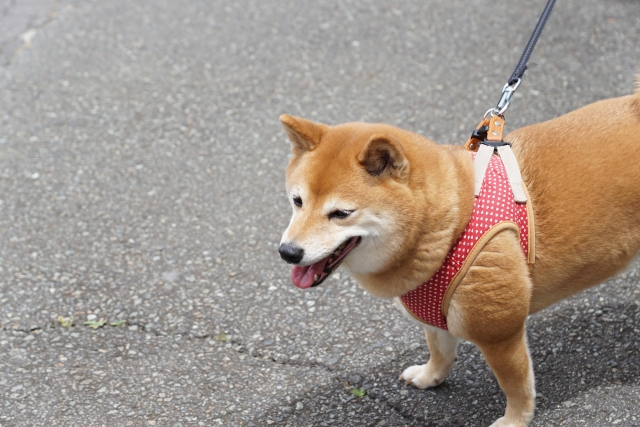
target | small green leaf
[
  {"x": 118, "y": 323},
  {"x": 66, "y": 322},
  {"x": 95, "y": 324},
  {"x": 358, "y": 392},
  {"x": 221, "y": 337}
]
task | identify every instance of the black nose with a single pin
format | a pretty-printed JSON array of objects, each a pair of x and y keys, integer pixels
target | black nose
[{"x": 291, "y": 254}]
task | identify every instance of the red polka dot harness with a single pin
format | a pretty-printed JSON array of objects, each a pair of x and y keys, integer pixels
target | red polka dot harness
[{"x": 494, "y": 210}]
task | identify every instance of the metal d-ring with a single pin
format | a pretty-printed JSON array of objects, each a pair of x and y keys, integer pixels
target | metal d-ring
[{"x": 491, "y": 112}]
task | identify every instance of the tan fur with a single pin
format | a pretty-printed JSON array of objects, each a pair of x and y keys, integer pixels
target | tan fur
[
  {"x": 416, "y": 197},
  {"x": 333, "y": 170},
  {"x": 585, "y": 186}
]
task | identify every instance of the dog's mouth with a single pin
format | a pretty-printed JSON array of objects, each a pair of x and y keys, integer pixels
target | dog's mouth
[{"x": 308, "y": 276}]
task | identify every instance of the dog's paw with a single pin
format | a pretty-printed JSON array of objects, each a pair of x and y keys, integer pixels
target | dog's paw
[
  {"x": 422, "y": 376},
  {"x": 503, "y": 422}
]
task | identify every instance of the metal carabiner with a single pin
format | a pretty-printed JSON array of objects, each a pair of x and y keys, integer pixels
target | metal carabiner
[{"x": 507, "y": 92}]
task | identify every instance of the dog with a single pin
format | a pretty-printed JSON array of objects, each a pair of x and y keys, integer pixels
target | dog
[{"x": 388, "y": 205}]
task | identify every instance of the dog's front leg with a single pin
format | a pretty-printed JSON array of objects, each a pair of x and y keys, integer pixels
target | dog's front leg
[
  {"x": 442, "y": 347},
  {"x": 511, "y": 364},
  {"x": 490, "y": 308}
]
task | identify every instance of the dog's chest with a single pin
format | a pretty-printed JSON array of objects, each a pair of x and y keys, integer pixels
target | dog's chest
[{"x": 494, "y": 210}]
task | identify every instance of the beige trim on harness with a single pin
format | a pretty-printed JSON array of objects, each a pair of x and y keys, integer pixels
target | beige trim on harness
[
  {"x": 480, "y": 244},
  {"x": 475, "y": 251},
  {"x": 520, "y": 193},
  {"x": 531, "y": 258}
]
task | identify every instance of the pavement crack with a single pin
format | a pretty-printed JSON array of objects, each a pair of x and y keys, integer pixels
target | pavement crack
[
  {"x": 23, "y": 330},
  {"x": 277, "y": 358},
  {"x": 395, "y": 407}
]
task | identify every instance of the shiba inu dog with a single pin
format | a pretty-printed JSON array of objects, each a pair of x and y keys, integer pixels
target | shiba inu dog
[{"x": 388, "y": 205}]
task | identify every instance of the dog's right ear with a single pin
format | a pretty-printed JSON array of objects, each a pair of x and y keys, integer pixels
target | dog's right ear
[
  {"x": 304, "y": 134},
  {"x": 383, "y": 156}
]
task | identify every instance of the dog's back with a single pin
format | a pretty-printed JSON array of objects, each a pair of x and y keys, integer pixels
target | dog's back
[{"x": 583, "y": 174}]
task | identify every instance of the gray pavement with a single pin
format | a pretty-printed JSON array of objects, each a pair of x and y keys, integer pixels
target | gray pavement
[{"x": 142, "y": 182}]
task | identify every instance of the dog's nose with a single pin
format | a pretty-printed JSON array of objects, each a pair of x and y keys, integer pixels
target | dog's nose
[{"x": 290, "y": 253}]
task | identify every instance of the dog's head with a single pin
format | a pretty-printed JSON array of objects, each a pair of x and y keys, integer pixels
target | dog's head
[{"x": 349, "y": 188}]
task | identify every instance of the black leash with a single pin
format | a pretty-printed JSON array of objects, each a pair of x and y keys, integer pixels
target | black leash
[
  {"x": 516, "y": 76},
  {"x": 480, "y": 134},
  {"x": 522, "y": 64}
]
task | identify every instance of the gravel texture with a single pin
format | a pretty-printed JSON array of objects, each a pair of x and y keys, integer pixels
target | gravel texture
[{"x": 142, "y": 182}]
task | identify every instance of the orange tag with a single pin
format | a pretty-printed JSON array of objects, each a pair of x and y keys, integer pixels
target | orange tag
[{"x": 496, "y": 129}]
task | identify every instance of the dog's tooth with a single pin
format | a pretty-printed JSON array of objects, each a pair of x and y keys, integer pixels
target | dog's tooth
[{"x": 315, "y": 277}]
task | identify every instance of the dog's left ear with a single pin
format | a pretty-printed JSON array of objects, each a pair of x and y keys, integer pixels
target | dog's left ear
[{"x": 383, "y": 156}]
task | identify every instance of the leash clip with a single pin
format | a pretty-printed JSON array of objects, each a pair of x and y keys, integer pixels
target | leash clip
[{"x": 507, "y": 92}]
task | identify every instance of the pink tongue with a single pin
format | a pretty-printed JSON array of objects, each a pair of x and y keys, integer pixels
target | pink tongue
[{"x": 302, "y": 275}]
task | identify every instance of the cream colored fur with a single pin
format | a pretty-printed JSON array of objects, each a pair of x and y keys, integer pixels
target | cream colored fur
[{"x": 411, "y": 199}]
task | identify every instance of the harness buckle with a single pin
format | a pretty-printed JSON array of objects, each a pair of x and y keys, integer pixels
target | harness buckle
[{"x": 480, "y": 133}]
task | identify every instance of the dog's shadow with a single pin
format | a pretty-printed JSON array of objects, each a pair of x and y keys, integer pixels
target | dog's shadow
[{"x": 574, "y": 348}]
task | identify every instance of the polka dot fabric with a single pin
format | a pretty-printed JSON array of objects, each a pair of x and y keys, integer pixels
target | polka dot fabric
[{"x": 494, "y": 205}]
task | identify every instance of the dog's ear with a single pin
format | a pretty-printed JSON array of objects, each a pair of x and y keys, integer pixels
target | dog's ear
[
  {"x": 383, "y": 156},
  {"x": 304, "y": 134}
]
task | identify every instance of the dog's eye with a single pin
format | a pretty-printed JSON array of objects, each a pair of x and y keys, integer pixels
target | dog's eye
[
  {"x": 339, "y": 214},
  {"x": 297, "y": 201}
]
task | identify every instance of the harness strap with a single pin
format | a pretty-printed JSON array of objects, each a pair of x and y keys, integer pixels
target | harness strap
[
  {"x": 494, "y": 143},
  {"x": 513, "y": 173},
  {"x": 480, "y": 164}
]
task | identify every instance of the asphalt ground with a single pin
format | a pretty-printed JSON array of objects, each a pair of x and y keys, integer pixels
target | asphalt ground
[{"x": 142, "y": 183}]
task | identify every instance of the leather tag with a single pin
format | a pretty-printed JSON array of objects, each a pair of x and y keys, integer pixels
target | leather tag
[{"x": 496, "y": 129}]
